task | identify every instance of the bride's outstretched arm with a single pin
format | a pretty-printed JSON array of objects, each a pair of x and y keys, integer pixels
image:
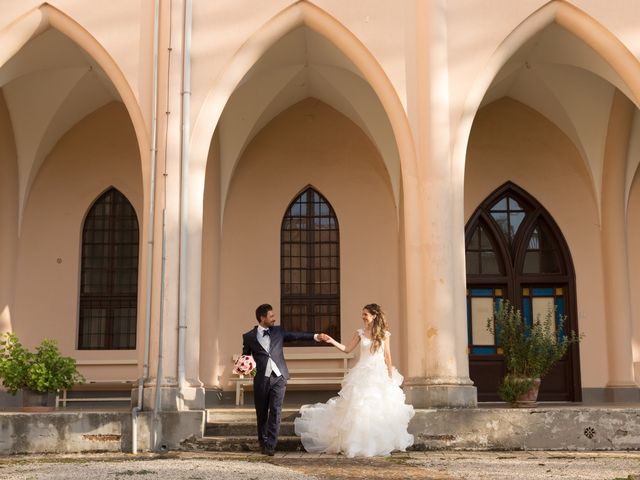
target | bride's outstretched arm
[{"x": 345, "y": 348}]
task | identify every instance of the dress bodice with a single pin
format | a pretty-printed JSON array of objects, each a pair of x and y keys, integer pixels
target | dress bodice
[{"x": 365, "y": 347}]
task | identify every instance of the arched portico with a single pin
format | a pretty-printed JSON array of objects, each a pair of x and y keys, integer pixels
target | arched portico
[
  {"x": 418, "y": 270},
  {"x": 613, "y": 69}
]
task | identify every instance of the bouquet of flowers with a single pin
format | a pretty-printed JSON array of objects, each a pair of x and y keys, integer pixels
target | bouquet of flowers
[{"x": 245, "y": 365}]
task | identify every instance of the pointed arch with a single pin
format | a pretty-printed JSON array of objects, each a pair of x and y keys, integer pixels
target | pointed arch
[
  {"x": 538, "y": 273},
  {"x": 572, "y": 19},
  {"x": 18, "y": 33},
  {"x": 300, "y": 14},
  {"x": 310, "y": 265},
  {"x": 109, "y": 274}
]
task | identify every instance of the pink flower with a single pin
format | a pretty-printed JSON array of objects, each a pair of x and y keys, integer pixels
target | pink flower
[{"x": 245, "y": 365}]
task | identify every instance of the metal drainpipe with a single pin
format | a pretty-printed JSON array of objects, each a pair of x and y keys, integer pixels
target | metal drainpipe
[
  {"x": 157, "y": 407},
  {"x": 150, "y": 234},
  {"x": 184, "y": 197}
]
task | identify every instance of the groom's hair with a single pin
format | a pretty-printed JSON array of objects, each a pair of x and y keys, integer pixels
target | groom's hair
[{"x": 262, "y": 311}]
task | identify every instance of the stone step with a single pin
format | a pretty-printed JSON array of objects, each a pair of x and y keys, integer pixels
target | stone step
[
  {"x": 241, "y": 443},
  {"x": 233, "y": 429},
  {"x": 244, "y": 415}
]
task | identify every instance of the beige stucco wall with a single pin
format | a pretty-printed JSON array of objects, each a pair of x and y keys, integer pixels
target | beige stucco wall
[
  {"x": 510, "y": 141},
  {"x": 310, "y": 143},
  {"x": 97, "y": 153}
]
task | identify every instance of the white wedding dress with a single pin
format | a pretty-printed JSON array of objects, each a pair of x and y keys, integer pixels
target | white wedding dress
[{"x": 368, "y": 417}]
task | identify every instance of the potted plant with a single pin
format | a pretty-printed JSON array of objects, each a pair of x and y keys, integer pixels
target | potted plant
[
  {"x": 529, "y": 351},
  {"x": 36, "y": 374}
]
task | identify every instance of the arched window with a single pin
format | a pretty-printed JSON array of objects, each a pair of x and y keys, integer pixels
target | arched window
[
  {"x": 109, "y": 275},
  {"x": 310, "y": 266},
  {"x": 516, "y": 251}
]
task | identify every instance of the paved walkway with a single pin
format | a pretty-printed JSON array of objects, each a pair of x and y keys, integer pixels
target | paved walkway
[{"x": 303, "y": 466}]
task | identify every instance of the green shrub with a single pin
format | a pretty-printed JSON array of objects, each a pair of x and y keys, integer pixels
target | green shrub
[
  {"x": 513, "y": 387},
  {"x": 529, "y": 350},
  {"x": 44, "y": 370}
]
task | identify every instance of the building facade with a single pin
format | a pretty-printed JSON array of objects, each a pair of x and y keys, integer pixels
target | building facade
[{"x": 167, "y": 166}]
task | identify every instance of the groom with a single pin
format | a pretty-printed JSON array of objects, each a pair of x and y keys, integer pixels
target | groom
[{"x": 264, "y": 342}]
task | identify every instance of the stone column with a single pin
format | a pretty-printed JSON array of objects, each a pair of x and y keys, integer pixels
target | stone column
[
  {"x": 164, "y": 338},
  {"x": 8, "y": 217},
  {"x": 437, "y": 330},
  {"x": 621, "y": 384}
]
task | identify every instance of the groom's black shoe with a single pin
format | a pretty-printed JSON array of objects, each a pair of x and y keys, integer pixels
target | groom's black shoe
[{"x": 269, "y": 452}]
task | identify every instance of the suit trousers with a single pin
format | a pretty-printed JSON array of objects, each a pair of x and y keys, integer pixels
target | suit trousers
[{"x": 268, "y": 394}]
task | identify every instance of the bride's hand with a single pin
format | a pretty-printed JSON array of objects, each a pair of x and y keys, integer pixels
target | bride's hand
[{"x": 328, "y": 339}]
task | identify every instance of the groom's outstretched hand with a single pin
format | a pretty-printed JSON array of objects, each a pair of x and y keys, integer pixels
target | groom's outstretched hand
[{"x": 323, "y": 337}]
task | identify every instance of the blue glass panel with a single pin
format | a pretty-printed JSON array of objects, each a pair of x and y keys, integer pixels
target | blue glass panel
[
  {"x": 482, "y": 292},
  {"x": 560, "y": 305},
  {"x": 483, "y": 350},
  {"x": 559, "y": 312},
  {"x": 527, "y": 311},
  {"x": 469, "y": 320},
  {"x": 542, "y": 292}
]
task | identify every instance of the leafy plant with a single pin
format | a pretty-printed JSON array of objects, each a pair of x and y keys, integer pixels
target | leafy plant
[
  {"x": 513, "y": 387},
  {"x": 529, "y": 350},
  {"x": 44, "y": 370}
]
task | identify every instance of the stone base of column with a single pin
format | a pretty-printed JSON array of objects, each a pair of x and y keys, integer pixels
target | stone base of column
[
  {"x": 611, "y": 394},
  {"x": 165, "y": 430},
  {"x": 441, "y": 396},
  {"x": 172, "y": 399}
]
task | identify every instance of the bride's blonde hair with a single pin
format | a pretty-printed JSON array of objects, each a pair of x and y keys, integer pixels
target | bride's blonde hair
[{"x": 378, "y": 326}]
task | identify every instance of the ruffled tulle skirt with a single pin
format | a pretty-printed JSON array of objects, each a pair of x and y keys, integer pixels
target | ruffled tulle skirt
[{"x": 368, "y": 417}]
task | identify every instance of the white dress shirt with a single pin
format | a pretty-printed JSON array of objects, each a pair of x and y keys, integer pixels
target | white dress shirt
[{"x": 265, "y": 341}]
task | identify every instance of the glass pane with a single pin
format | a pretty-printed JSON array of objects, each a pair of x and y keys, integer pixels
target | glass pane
[
  {"x": 473, "y": 263},
  {"x": 489, "y": 263},
  {"x": 481, "y": 310},
  {"x": 531, "y": 262},
  {"x": 500, "y": 205},
  {"x": 534, "y": 240},
  {"x": 515, "y": 218},
  {"x": 540, "y": 306},
  {"x": 549, "y": 262},
  {"x": 485, "y": 243},
  {"x": 514, "y": 205},
  {"x": 474, "y": 243},
  {"x": 502, "y": 220}
]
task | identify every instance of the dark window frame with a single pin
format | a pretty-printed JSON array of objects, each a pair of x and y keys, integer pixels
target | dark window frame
[
  {"x": 308, "y": 231},
  {"x": 109, "y": 274}
]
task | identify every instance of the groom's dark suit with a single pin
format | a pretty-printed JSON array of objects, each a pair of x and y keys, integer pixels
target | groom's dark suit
[{"x": 268, "y": 392}]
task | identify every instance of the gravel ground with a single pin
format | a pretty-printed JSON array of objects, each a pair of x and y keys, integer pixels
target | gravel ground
[{"x": 300, "y": 466}]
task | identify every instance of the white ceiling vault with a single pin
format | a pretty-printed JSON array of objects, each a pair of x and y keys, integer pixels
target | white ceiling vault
[
  {"x": 49, "y": 86},
  {"x": 300, "y": 65},
  {"x": 561, "y": 77}
]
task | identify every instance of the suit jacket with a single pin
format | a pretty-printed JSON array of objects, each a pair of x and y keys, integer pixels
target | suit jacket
[{"x": 251, "y": 346}]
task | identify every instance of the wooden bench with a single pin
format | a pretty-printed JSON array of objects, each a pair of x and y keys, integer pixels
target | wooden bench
[
  {"x": 110, "y": 386},
  {"x": 302, "y": 375},
  {"x": 62, "y": 397}
]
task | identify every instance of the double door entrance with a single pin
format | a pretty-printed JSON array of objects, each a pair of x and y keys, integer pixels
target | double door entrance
[{"x": 516, "y": 252}]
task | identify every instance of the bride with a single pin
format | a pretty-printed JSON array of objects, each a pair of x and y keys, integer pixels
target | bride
[{"x": 369, "y": 416}]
